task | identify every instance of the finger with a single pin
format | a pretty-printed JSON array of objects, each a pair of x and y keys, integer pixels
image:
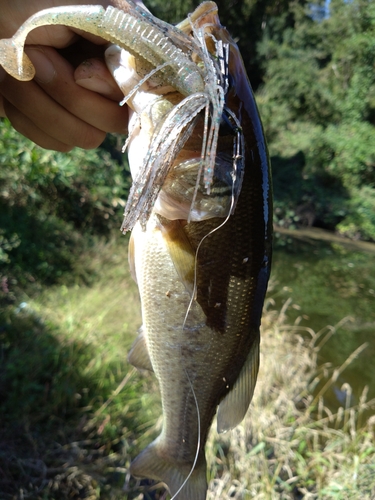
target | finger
[
  {"x": 46, "y": 115},
  {"x": 26, "y": 127},
  {"x": 72, "y": 126},
  {"x": 94, "y": 75},
  {"x": 91, "y": 107}
]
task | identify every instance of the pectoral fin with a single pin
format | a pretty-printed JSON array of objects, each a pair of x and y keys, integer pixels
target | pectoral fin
[
  {"x": 181, "y": 252},
  {"x": 138, "y": 355},
  {"x": 234, "y": 406}
]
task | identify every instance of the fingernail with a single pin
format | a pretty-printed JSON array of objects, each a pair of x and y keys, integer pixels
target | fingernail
[{"x": 44, "y": 70}]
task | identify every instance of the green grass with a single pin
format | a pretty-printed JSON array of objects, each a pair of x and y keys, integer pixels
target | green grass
[
  {"x": 66, "y": 389},
  {"x": 73, "y": 413}
]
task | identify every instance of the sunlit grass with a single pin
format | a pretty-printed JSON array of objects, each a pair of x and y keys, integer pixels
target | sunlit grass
[
  {"x": 291, "y": 445},
  {"x": 78, "y": 409},
  {"x": 74, "y": 412}
]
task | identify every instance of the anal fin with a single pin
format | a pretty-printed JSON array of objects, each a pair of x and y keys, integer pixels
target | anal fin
[{"x": 234, "y": 406}]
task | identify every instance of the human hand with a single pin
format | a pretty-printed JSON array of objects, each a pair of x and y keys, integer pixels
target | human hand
[{"x": 62, "y": 107}]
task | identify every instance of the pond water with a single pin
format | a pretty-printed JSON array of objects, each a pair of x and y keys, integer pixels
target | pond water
[{"x": 328, "y": 281}]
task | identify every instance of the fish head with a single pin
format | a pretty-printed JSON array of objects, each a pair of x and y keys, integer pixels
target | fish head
[{"x": 205, "y": 21}]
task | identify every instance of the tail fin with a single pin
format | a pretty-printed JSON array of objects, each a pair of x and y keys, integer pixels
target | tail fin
[{"x": 151, "y": 465}]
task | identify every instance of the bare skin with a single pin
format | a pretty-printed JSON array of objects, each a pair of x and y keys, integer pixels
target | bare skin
[{"x": 73, "y": 99}]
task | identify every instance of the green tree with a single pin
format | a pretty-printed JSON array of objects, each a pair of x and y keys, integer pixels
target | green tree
[
  {"x": 52, "y": 204},
  {"x": 318, "y": 106},
  {"x": 246, "y": 20}
]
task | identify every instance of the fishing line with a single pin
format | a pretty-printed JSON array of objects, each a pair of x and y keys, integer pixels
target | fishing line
[
  {"x": 215, "y": 96},
  {"x": 234, "y": 174},
  {"x": 215, "y": 93},
  {"x": 233, "y": 197},
  {"x": 198, "y": 441},
  {"x": 208, "y": 146}
]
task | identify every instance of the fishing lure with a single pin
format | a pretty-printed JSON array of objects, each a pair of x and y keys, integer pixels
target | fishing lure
[
  {"x": 202, "y": 258},
  {"x": 183, "y": 62},
  {"x": 201, "y": 280}
]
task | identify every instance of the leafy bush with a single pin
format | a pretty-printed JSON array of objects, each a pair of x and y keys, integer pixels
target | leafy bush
[
  {"x": 318, "y": 100},
  {"x": 51, "y": 204}
]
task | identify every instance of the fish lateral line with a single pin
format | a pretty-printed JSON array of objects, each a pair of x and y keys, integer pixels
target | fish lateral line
[
  {"x": 204, "y": 88},
  {"x": 193, "y": 298},
  {"x": 212, "y": 231},
  {"x": 198, "y": 449}
]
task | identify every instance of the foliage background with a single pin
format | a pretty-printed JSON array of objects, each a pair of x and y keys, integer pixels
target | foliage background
[
  {"x": 62, "y": 347},
  {"x": 52, "y": 205},
  {"x": 311, "y": 65}
]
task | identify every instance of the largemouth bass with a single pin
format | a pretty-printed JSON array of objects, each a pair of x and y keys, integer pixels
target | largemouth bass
[
  {"x": 201, "y": 209},
  {"x": 202, "y": 271}
]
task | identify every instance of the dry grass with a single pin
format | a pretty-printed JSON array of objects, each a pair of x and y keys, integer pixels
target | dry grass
[{"x": 290, "y": 446}]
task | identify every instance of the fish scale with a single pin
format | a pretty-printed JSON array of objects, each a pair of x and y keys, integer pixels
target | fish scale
[
  {"x": 219, "y": 346},
  {"x": 201, "y": 248},
  {"x": 215, "y": 352}
]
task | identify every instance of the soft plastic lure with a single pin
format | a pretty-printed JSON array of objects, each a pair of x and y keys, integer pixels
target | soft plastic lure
[
  {"x": 181, "y": 60},
  {"x": 202, "y": 258}
]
